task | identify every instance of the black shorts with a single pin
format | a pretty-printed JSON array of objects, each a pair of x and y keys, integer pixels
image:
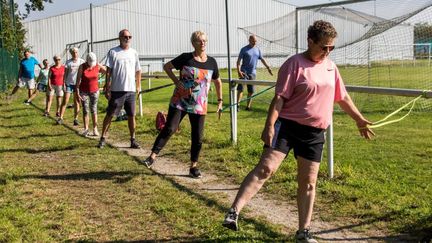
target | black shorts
[
  {"x": 250, "y": 88},
  {"x": 120, "y": 99},
  {"x": 306, "y": 141}
]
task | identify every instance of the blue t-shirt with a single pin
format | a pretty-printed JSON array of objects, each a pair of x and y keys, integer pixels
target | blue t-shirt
[
  {"x": 250, "y": 56},
  {"x": 28, "y": 67}
]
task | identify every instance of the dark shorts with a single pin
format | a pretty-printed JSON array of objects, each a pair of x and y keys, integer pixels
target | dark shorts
[
  {"x": 120, "y": 99},
  {"x": 306, "y": 141},
  {"x": 250, "y": 88}
]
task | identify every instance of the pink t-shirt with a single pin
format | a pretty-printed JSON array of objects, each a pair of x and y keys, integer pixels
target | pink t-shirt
[{"x": 310, "y": 90}]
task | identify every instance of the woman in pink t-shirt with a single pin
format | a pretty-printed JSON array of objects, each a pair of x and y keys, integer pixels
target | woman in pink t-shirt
[
  {"x": 308, "y": 85},
  {"x": 55, "y": 84},
  {"x": 87, "y": 90}
]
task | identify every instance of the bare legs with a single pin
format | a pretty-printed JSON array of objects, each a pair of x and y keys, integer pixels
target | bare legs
[{"x": 270, "y": 161}]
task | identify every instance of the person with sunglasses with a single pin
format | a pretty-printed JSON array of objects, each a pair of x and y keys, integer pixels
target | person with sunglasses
[
  {"x": 55, "y": 84},
  {"x": 190, "y": 97},
  {"x": 123, "y": 82},
  {"x": 307, "y": 86}
]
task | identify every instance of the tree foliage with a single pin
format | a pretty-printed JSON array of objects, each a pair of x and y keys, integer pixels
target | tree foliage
[
  {"x": 34, "y": 5},
  {"x": 12, "y": 31}
]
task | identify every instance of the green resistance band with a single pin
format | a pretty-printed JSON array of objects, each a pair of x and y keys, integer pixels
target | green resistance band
[
  {"x": 384, "y": 121},
  {"x": 248, "y": 98}
]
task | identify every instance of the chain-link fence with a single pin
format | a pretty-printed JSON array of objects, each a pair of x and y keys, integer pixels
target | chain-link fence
[{"x": 9, "y": 63}]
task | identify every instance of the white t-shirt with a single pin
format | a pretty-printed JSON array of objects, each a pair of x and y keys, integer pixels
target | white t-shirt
[
  {"x": 72, "y": 69},
  {"x": 124, "y": 65}
]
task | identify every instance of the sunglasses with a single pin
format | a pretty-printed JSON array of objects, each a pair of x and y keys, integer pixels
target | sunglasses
[
  {"x": 56, "y": 59},
  {"x": 127, "y": 37},
  {"x": 327, "y": 48}
]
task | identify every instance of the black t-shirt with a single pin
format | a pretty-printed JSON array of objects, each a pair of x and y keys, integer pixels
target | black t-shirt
[{"x": 196, "y": 78}]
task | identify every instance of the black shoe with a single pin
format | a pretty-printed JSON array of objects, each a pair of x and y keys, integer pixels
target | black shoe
[
  {"x": 194, "y": 172},
  {"x": 101, "y": 142},
  {"x": 248, "y": 108},
  {"x": 134, "y": 144},
  {"x": 26, "y": 102},
  {"x": 57, "y": 114},
  {"x": 304, "y": 236},
  {"x": 148, "y": 162},
  {"x": 75, "y": 122},
  {"x": 230, "y": 220}
]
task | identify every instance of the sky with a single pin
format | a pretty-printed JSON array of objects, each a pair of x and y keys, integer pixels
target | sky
[{"x": 65, "y": 6}]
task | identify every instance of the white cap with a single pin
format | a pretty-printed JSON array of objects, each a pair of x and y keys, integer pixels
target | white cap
[{"x": 91, "y": 59}]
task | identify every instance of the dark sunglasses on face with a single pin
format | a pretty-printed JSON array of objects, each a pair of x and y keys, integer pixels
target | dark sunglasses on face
[
  {"x": 127, "y": 37},
  {"x": 327, "y": 48}
]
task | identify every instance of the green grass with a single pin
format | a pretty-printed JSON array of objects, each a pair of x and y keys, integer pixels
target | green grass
[
  {"x": 62, "y": 187},
  {"x": 57, "y": 186}
]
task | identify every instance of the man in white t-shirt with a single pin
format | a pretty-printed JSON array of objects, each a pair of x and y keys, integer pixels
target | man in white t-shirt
[
  {"x": 70, "y": 75},
  {"x": 123, "y": 82}
]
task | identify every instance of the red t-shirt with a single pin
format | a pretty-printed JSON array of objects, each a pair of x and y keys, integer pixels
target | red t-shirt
[
  {"x": 89, "y": 79},
  {"x": 57, "y": 75}
]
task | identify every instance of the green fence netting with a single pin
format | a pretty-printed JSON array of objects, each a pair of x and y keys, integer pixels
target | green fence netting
[{"x": 9, "y": 64}]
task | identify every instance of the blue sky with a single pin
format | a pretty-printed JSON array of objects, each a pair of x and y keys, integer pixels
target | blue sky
[{"x": 64, "y": 6}]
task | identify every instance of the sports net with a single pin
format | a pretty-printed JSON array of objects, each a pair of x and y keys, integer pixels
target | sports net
[
  {"x": 375, "y": 46},
  {"x": 101, "y": 48},
  {"x": 82, "y": 50}
]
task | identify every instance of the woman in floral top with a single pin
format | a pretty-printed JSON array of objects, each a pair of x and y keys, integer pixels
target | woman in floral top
[{"x": 190, "y": 97}]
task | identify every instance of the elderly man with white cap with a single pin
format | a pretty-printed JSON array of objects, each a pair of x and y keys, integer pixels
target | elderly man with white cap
[{"x": 87, "y": 90}]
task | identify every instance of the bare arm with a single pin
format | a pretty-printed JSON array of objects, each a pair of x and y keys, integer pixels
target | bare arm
[
  {"x": 107, "y": 87},
  {"x": 102, "y": 68},
  {"x": 273, "y": 114},
  {"x": 240, "y": 73},
  {"x": 138, "y": 81},
  {"x": 168, "y": 67},
  {"x": 264, "y": 62},
  {"x": 78, "y": 81},
  {"x": 49, "y": 80},
  {"x": 218, "y": 85},
  {"x": 348, "y": 106}
]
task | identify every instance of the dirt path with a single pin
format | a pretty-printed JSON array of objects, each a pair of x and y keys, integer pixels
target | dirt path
[{"x": 278, "y": 212}]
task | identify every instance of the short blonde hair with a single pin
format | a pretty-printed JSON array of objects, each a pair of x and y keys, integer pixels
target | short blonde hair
[
  {"x": 197, "y": 34},
  {"x": 72, "y": 49}
]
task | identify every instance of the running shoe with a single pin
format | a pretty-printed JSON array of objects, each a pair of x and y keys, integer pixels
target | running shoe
[
  {"x": 134, "y": 144},
  {"x": 148, "y": 162},
  {"x": 194, "y": 172},
  {"x": 304, "y": 236},
  {"x": 230, "y": 221},
  {"x": 101, "y": 142}
]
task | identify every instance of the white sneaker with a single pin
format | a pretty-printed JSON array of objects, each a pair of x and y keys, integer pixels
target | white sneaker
[
  {"x": 95, "y": 133},
  {"x": 85, "y": 133}
]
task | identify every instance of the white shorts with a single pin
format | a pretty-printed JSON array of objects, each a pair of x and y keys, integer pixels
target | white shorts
[
  {"x": 57, "y": 89},
  {"x": 28, "y": 82}
]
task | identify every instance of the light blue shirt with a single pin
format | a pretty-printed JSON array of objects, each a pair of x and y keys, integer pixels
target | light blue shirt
[
  {"x": 250, "y": 56},
  {"x": 28, "y": 67}
]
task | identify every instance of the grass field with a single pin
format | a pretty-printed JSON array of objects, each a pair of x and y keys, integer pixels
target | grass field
[{"x": 57, "y": 186}]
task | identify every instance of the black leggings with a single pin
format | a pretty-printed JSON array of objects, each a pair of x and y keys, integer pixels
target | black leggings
[{"x": 175, "y": 116}]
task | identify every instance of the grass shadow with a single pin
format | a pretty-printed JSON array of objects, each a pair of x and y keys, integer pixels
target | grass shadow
[
  {"x": 36, "y": 151},
  {"x": 118, "y": 176}
]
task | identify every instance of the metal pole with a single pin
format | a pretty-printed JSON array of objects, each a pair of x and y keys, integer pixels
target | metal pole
[
  {"x": 233, "y": 110},
  {"x": 330, "y": 160},
  {"x": 91, "y": 27},
  {"x": 297, "y": 30}
]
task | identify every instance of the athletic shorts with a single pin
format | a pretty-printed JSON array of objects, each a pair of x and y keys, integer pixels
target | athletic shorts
[
  {"x": 70, "y": 88},
  {"x": 27, "y": 82},
  {"x": 306, "y": 141},
  {"x": 250, "y": 88},
  {"x": 42, "y": 87},
  {"x": 120, "y": 99},
  {"x": 57, "y": 90}
]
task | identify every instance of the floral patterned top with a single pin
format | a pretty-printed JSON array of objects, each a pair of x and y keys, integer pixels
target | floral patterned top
[{"x": 196, "y": 78}]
